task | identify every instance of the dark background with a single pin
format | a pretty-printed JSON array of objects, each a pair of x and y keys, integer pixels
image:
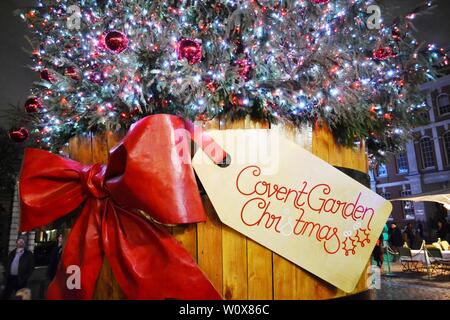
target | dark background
[{"x": 16, "y": 78}]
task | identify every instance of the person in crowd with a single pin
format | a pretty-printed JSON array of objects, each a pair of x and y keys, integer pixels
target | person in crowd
[
  {"x": 23, "y": 294},
  {"x": 420, "y": 229},
  {"x": 395, "y": 237},
  {"x": 408, "y": 235},
  {"x": 442, "y": 231},
  {"x": 18, "y": 269},
  {"x": 55, "y": 257},
  {"x": 378, "y": 251}
]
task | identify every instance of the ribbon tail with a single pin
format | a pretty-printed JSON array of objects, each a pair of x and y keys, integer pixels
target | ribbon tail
[
  {"x": 149, "y": 263},
  {"x": 82, "y": 257}
]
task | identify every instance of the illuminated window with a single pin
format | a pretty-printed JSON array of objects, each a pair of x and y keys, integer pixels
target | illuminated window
[
  {"x": 407, "y": 206},
  {"x": 402, "y": 163},
  {"x": 382, "y": 171},
  {"x": 427, "y": 151}
]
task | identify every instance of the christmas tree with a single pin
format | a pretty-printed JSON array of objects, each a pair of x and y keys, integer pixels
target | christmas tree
[{"x": 105, "y": 64}]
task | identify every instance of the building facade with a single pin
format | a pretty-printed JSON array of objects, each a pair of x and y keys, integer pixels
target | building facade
[{"x": 423, "y": 167}]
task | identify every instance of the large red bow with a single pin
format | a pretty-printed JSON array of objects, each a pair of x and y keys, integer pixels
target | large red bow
[{"x": 147, "y": 172}]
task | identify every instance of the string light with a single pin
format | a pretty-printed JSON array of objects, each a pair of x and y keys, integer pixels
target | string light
[{"x": 303, "y": 60}]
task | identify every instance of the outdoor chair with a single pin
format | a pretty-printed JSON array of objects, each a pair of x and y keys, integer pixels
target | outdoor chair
[
  {"x": 437, "y": 261},
  {"x": 444, "y": 245},
  {"x": 406, "y": 260}
]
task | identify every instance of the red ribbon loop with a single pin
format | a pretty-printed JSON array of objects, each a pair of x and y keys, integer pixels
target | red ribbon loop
[{"x": 144, "y": 172}]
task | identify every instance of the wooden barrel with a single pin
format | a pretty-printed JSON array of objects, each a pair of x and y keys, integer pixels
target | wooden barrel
[{"x": 238, "y": 267}]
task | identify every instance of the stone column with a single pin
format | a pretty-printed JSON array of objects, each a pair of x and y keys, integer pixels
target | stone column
[
  {"x": 15, "y": 216},
  {"x": 15, "y": 222}
]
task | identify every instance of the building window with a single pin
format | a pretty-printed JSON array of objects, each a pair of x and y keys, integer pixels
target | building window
[
  {"x": 382, "y": 171},
  {"x": 447, "y": 145},
  {"x": 402, "y": 163},
  {"x": 427, "y": 151},
  {"x": 407, "y": 206},
  {"x": 443, "y": 104}
]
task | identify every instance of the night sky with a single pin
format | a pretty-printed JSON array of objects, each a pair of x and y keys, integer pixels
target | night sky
[{"x": 16, "y": 78}]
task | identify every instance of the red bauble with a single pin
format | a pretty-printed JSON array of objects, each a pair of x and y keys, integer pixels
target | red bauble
[
  {"x": 320, "y": 1},
  {"x": 383, "y": 53},
  {"x": 72, "y": 73},
  {"x": 190, "y": 49},
  {"x": 18, "y": 135},
  {"x": 237, "y": 100},
  {"x": 45, "y": 75},
  {"x": 396, "y": 34},
  {"x": 116, "y": 41},
  {"x": 210, "y": 84},
  {"x": 245, "y": 68},
  {"x": 32, "y": 105}
]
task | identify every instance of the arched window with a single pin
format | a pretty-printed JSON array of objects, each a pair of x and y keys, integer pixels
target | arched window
[
  {"x": 402, "y": 163},
  {"x": 443, "y": 103},
  {"x": 446, "y": 138},
  {"x": 427, "y": 151}
]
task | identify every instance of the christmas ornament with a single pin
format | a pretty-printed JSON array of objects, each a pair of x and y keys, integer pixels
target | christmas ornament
[
  {"x": 383, "y": 53},
  {"x": 116, "y": 41},
  {"x": 238, "y": 100},
  {"x": 320, "y": 1},
  {"x": 72, "y": 73},
  {"x": 45, "y": 75},
  {"x": 32, "y": 105},
  {"x": 396, "y": 35},
  {"x": 245, "y": 68},
  {"x": 18, "y": 135},
  {"x": 202, "y": 117},
  {"x": 210, "y": 84},
  {"x": 190, "y": 49}
]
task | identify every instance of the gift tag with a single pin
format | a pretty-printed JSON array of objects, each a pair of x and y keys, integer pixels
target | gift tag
[{"x": 295, "y": 204}]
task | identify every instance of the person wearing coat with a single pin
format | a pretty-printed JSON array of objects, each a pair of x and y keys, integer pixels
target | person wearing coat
[
  {"x": 18, "y": 269},
  {"x": 55, "y": 257}
]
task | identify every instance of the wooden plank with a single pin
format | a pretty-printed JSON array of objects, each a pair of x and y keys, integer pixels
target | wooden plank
[
  {"x": 99, "y": 149},
  {"x": 259, "y": 263},
  {"x": 80, "y": 149},
  {"x": 259, "y": 258},
  {"x": 234, "y": 251},
  {"x": 334, "y": 151},
  {"x": 348, "y": 158},
  {"x": 112, "y": 138},
  {"x": 209, "y": 233},
  {"x": 284, "y": 279},
  {"x": 209, "y": 242},
  {"x": 234, "y": 257},
  {"x": 321, "y": 143},
  {"x": 187, "y": 237},
  {"x": 365, "y": 166}
]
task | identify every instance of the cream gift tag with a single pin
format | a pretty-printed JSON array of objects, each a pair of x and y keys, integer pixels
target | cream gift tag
[{"x": 297, "y": 205}]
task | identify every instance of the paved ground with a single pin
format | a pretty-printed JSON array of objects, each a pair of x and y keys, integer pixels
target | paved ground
[{"x": 399, "y": 285}]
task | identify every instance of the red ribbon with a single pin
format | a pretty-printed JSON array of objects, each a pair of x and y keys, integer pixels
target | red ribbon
[{"x": 146, "y": 171}]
